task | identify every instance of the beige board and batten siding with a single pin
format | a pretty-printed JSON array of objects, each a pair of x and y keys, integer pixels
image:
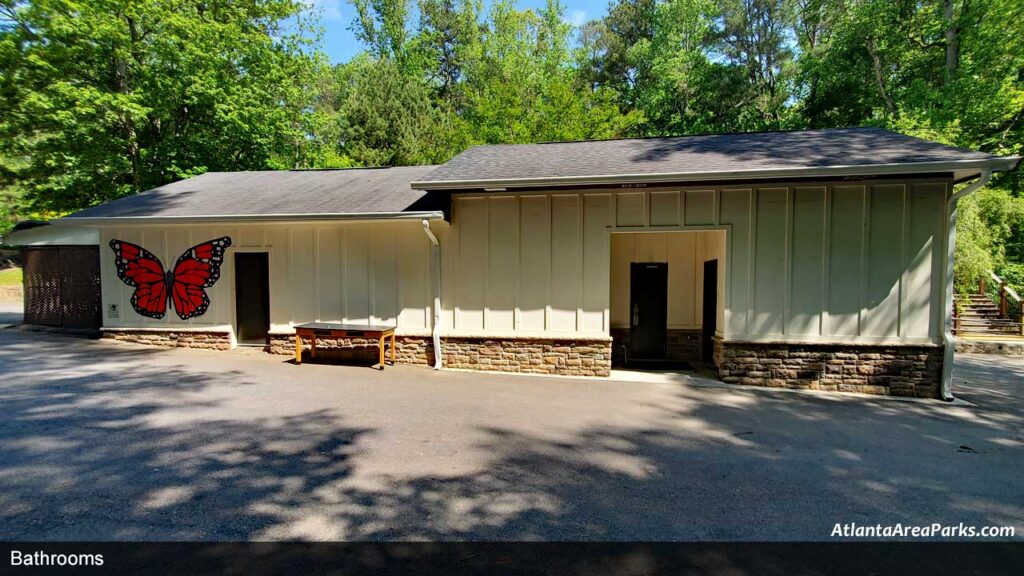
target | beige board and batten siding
[
  {"x": 526, "y": 265},
  {"x": 540, "y": 264},
  {"x": 849, "y": 262},
  {"x": 844, "y": 262},
  {"x": 360, "y": 272}
]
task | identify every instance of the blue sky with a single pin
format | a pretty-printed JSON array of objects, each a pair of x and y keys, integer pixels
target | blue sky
[{"x": 340, "y": 45}]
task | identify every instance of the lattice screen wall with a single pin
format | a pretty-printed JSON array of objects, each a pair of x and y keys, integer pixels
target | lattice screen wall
[{"x": 62, "y": 286}]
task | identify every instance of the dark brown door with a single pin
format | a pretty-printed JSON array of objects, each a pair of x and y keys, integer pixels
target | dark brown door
[
  {"x": 710, "y": 312},
  {"x": 252, "y": 297},
  {"x": 648, "y": 309}
]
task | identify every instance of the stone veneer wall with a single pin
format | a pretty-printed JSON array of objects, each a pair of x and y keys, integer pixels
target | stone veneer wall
[
  {"x": 681, "y": 344},
  {"x": 534, "y": 356},
  {"x": 890, "y": 370},
  {"x": 537, "y": 356},
  {"x": 211, "y": 340}
]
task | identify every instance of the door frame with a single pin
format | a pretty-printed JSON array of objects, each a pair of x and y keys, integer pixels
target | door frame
[{"x": 269, "y": 251}]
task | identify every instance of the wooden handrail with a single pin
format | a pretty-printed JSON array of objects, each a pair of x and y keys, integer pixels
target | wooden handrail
[{"x": 1003, "y": 286}]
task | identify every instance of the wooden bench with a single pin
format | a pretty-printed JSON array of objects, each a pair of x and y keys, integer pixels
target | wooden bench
[{"x": 333, "y": 330}]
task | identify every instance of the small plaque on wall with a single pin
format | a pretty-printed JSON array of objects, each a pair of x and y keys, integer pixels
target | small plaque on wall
[{"x": 113, "y": 311}]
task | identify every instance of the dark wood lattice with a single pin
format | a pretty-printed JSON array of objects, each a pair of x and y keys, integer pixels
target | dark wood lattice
[{"x": 62, "y": 286}]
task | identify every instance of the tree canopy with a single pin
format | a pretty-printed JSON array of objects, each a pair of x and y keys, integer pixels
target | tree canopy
[{"x": 111, "y": 97}]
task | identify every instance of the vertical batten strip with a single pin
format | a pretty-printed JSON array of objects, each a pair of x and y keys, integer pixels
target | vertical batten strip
[
  {"x": 606, "y": 321},
  {"x": 343, "y": 262},
  {"x": 288, "y": 274},
  {"x": 865, "y": 240},
  {"x": 517, "y": 315},
  {"x": 826, "y": 262},
  {"x": 456, "y": 309},
  {"x": 316, "y": 271},
  {"x": 581, "y": 258},
  {"x": 551, "y": 261},
  {"x": 787, "y": 279},
  {"x": 751, "y": 258},
  {"x": 371, "y": 273},
  {"x": 646, "y": 195},
  {"x": 904, "y": 242}
]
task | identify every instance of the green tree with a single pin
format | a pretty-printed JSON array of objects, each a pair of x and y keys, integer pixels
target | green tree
[
  {"x": 753, "y": 34},
  {"x": 614, "y": 62},
  {"x": 688, "y": 92},
  {"x": 110, "y": 97},
  {"x": 521, "y": 84},
  {"x": 390, "y": 119},
  {"x": 449, "y": 32},
  {"x": 383, "y": 26}
]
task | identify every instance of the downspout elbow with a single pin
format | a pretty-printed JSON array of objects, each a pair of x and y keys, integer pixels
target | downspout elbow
[{"x": 435, "y": 273}]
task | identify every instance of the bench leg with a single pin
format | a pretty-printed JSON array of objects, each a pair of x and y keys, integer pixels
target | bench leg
[
  {"x": 381, "y": 345},
  {"x": 392, "y": 348},
  {"x": 298, "y": 349},
  {"x": 312, "y": 348}
]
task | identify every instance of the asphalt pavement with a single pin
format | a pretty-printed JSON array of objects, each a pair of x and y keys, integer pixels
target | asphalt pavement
[{"x": 110, "y": 441}]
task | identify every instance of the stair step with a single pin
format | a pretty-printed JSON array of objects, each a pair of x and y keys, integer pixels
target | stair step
[{"x": 988, "y": 321}]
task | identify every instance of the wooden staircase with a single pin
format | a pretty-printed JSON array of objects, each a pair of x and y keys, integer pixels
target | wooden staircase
[{"x": 982, "y": 315}]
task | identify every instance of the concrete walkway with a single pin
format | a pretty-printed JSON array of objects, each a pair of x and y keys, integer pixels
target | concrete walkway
[{"x": 113, "y": 441}]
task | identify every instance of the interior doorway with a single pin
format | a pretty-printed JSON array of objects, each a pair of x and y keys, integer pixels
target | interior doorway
[
  {"x": 666, "y": 298},
  {"x": 252, "y": 297}
]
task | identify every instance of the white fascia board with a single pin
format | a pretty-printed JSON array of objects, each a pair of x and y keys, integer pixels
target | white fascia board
[
  {"x": 243, "y": 218},
  {"x": 994, "y": 164},
  {"x": 53, "y": 236}
]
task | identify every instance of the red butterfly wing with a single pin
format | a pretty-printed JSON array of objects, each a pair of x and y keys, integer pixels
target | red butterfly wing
[
  {"x": 197, "y": 269},
  {"x": 138, "y": 268}
]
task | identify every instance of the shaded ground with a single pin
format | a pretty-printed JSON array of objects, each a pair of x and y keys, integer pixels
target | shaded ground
[
  {"x": 10, "y": 312},
  {"x": 109, "y": 441}
]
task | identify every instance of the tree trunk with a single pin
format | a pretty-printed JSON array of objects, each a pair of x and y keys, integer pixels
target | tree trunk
[
  {"x": 952, "y": 41},
  {"x": 876, "y": 64},
  {"x": 123, "y": 86}
]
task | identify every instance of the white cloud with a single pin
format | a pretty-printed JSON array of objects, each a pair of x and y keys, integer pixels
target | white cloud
[{"x": 577, "y": 18}]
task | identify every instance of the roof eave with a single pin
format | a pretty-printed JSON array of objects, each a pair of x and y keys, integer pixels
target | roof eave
[
  {"x": 958, "y": 166},
  {"x": 249, "y": 218}
]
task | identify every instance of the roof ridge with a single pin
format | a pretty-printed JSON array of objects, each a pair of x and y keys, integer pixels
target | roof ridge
[{"x": 697, "y": 135}]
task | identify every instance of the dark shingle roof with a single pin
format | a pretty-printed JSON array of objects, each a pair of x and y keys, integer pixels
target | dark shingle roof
[
  {"x": 282, "y": 192},
  {"x": 695, "y": 155}
]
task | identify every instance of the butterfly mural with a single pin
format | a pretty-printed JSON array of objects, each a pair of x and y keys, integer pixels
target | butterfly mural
[{"x": 184, "y": 287}]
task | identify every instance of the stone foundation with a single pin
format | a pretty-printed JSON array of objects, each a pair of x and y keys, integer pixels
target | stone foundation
[
  {"x": 210, "y": 340},
  {"x": 889, "y": 370},
  {"x": 527, "y": 355},
  {"x": 680, "y": 344}
]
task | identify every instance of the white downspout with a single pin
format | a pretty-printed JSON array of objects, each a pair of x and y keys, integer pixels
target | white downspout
[
  {"x": 435, "y": 273},
  {"x": 948, "y": 341}
]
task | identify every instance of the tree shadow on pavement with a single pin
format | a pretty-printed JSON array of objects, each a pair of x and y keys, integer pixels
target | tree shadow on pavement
[{"x": 90, "y": 453}]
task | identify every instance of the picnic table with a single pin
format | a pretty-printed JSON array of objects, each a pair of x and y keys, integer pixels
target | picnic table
[{"x": 311, "y": 330}]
